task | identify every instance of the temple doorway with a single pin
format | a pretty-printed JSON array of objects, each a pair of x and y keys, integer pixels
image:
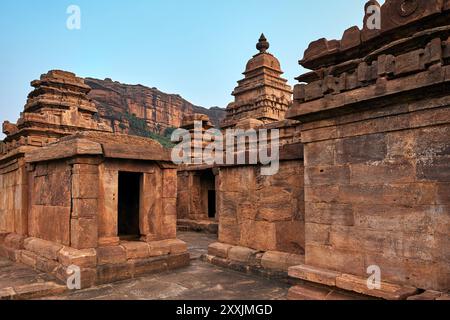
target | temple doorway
[
  {"x": 208, "y": 190},
  {"x": 211, "y": 204},
  {"x": 128, "y": 206}
]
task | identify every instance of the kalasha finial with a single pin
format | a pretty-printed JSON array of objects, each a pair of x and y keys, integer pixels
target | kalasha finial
[{"x": 262, "y": 45}]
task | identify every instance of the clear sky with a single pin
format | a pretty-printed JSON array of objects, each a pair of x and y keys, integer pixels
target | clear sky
[{"x": 196, "y": 48}]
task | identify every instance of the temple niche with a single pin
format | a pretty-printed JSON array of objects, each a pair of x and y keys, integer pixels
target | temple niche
[{"x": 73, "y": 193}]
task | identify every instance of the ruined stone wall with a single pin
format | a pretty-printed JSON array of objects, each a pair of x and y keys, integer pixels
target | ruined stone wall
[
  {"x": 264, "y": 213},
  {"x": 13, "y": 199}
]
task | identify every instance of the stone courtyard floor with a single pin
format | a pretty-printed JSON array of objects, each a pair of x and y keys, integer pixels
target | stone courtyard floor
[{"x": 199, "y": 281}]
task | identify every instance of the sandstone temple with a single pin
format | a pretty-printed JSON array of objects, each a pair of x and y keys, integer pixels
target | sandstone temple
[{"x": 363, "y": 181}]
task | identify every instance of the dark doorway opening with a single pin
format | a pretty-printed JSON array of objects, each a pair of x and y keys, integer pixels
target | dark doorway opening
[
  {"x": 211, "y": 203},
  {"x": 129, "y": 203}
]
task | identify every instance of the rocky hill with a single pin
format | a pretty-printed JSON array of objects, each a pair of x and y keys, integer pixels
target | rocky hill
[{"x": 136, "y": 109}]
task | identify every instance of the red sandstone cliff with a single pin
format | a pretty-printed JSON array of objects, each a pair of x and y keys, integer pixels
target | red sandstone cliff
[{"x": 130, "y": 107}]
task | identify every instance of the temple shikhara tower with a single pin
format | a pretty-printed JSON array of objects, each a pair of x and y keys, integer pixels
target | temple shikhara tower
[{"x": 262, "y": 95}]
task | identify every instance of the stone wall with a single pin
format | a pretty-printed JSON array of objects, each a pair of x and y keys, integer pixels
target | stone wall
[
  {"x": 380, "y": 195},
  {"x": 375, "y": 117},
  {"x": 264, "y": 213},
  {"x": 13, "y": 199},
  {"x": 51, "y": 202}
]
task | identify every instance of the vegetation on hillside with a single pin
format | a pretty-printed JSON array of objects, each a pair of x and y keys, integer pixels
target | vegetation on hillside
[{"x": 139, "y": 127}]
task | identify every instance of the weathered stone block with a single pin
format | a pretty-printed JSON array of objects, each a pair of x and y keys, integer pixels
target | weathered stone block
[
  {"x": 326, "y": 213},
  {"x": 241, "y": 254},
  {"x": 111, "y": 255},
  {"x": 434, "y": 169},
  {"x": 426, "y": 296},
  {"x": 362, "y": 149},
  {"x": 169, "y": 183},
  {"x": 330, "y": 258},
  {"x": 377, "y": 173},
  {"x": 229, "y": 231},
  {"x": 388, "y": 291},
  {"x": 219, "y": 249},
  {"x": 35, "y": 290},
  {"x": 43, "y": 248},
  {"x": 313, "y": 90},
  {"x": 317, "y": 233},
  {"x": 14, "y": 241},
  {"x": 159, "y": 248},
  {"x": 327, "y": 175},
  {"x": 322, "y": 194},
  {"x": 46, "y": 265},
  {"x": 84, "y": 208},
  {"x": 136, "y": 249},
  {"x": 319, "y": 153},
  {"x": 85, "y": 186},
  {"x": 290, "y": 236},
  {"x": 314, "y": 274},
  {"x": 114, "y": 272},
  {"x": 175, "y": 261},
  {"x": 409, "y": 62},
  {"x": 275, "y": 260},
  {"x": 259, "y": 235},
  {"x": 58, "y": 231},
  {"x": 177, "y": 246},
  {"x": 147, "y": 266},
  {"x": 88, "y": 276},
  {"x": 86, "y": 258},
  {"x": 84, "y": 233},
  {"x": 85, "y": 169},
  {"x": 28, "y": 258},
  {"x": 308, "y": 293}
]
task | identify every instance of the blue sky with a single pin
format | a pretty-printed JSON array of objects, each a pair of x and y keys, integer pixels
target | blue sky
[{"x": 197, "y": 48}]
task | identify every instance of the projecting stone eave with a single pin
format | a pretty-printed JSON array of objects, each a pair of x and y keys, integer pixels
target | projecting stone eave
[
  {"x": 395, "y": 24},
  {"x": 104, "y": 145},
  {"x": 428, "y": 83}
]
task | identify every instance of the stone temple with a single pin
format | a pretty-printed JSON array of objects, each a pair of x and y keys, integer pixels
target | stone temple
[{"x": 363, "y": 181}]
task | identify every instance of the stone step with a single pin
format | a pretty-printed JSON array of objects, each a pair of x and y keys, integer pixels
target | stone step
[
  {"x": 310, "y": 292},
  {"x": 314, "y": 274},
  {"x": 32, "y": 291},
  {"x": 351, "y": 283},
  {"x": 388, "y": 291},
  {"x": 425, "y": 296}
]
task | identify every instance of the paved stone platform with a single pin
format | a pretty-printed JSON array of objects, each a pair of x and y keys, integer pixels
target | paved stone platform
[
  {"x": 199, "y": 281},
  {"x": 21, "y": 282}
]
